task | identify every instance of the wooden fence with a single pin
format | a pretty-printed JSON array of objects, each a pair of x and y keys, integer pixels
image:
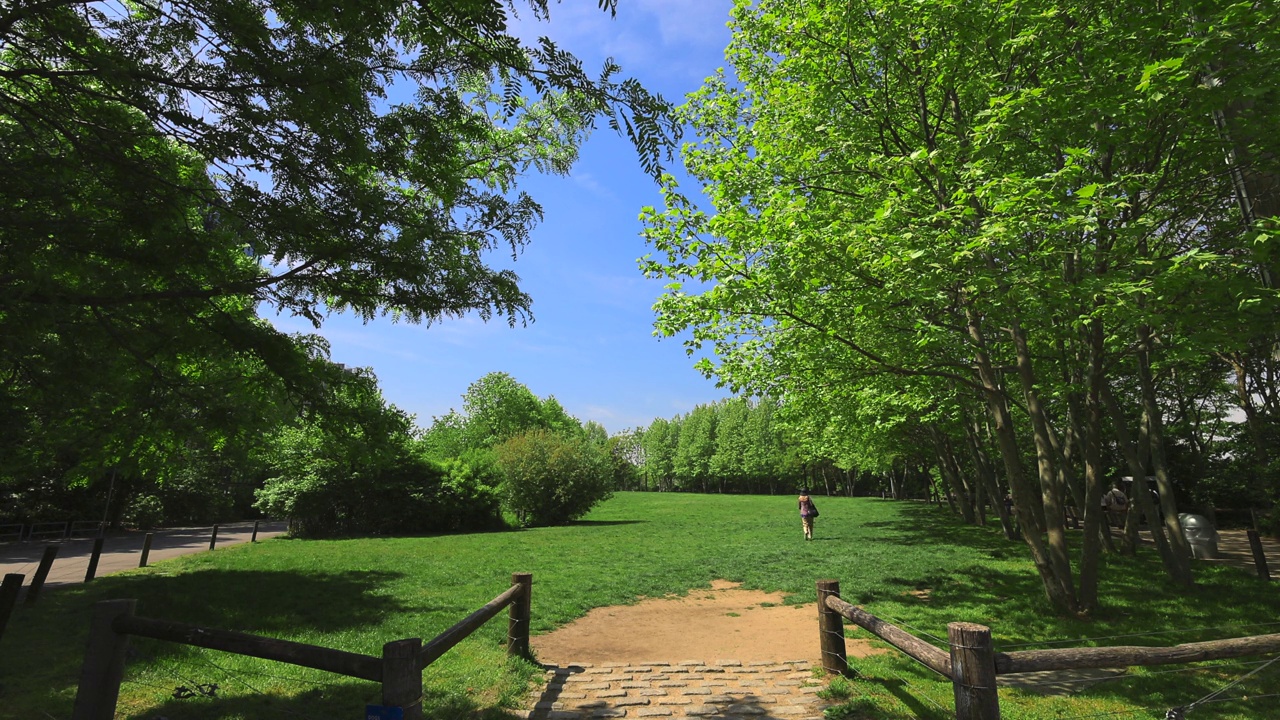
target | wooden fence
[
  {"x": 399, "y": 669},
  {"x": 972, "y": 663}
]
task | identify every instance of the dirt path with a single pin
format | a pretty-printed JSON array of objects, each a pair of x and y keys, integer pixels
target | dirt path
[{"x": 723, "y": 653}]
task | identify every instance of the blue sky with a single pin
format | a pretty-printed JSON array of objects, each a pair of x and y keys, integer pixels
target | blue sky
[{"x": 591, "y": 344}]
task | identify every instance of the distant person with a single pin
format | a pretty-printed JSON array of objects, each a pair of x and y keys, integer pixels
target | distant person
[
  {"x": 1116, "y": 505},
  {"x": 808, "y": 511}
]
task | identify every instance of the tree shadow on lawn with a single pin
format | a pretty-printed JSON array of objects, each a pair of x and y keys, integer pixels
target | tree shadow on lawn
[
  {"x": 272, "y": 603},
  {"x": 1134, "y": 593},
  {"x": 601, "y": 523},
  {"x": 264, "y": 601},
  {"x": 343, "y": 699}
]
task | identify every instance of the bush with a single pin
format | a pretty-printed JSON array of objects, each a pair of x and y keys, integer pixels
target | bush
[
  {"x": 469, "y": 498},
  {"x": 399, "y": 491},
  {"x": 144, "y": 512},
  {"x": 551, "y": 478}
]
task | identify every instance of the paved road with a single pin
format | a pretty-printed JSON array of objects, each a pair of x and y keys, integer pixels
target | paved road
[
  {"x": 123, "y": 551},
  {"x": 1234, "y": 549}
]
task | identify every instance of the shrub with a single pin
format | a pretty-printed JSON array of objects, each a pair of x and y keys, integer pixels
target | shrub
[
  {"x": 551, "y": 478},
  {"x": 397, "y": 491},
  {"x": 144, "y": 512},
  {"x": 468, "y": 498}
]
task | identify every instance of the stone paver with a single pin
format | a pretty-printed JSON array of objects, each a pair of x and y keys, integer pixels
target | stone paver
[{"x": 715, "y": 689}]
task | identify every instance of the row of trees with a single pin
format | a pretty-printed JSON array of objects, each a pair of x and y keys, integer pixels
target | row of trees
[
  {"x": 1035, "y": 245},
  {"x": 167, "y": 169},
  {"x": 734, "y": 445},
  {"x": 760, "y": 446}
]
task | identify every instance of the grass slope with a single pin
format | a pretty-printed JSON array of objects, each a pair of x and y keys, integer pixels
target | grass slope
[{"x": 357, "y": 594}]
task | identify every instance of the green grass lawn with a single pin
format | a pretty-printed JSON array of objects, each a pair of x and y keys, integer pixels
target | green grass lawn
[{"x": 358, "y": 594}]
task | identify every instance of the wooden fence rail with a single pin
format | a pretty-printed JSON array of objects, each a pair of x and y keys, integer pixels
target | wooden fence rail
[
  {"x": 972, "y": 664},
  {"x": 444, "y": 641},
  {"x": 1128, "y": 655},
  {"x": 917, "y": 649},
  {"x": 399, "y": 669}
]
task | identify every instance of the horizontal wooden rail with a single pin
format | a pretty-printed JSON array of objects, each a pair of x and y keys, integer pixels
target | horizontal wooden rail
[
  {"x": 440, "y": 644},
  {"x": 924, "y": 653},
  {"x": 1129, "y": 655},
  {"x": 365, "y": 667}
]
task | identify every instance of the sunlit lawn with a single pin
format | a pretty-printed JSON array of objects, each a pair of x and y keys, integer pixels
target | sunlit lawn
[{"x": 358, "y": 594}]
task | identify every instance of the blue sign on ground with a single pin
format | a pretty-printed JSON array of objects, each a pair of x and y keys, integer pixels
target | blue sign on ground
[{"x": 383, "y": 712}]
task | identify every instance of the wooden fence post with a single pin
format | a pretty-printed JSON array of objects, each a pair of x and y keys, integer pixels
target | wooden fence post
[
  {"x": 401, "y": 678},
  {"x": 9, "y": 597},
  {"x": 831, "y": 630},
  {"x": 1259, "y": 557},
  {"x": 94, "y": 556},
  {"x": 973, "y": 672},
  {"x": 519, "y": 615},
  {"x": 146, "y": 549},
  {"x": 213, "y": 539},
  {"x": 42, "y": 572},
  {"x": 254, "y": 538},
  {"x": 103, "y": 667}
]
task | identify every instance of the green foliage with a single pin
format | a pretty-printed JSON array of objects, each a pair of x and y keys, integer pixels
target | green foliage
[
  {"x": 919, "y": 216},
  {"x": 551, "y": 478},
  {"x": 144, "y": 512},
  {"x": 357, "y": 594},
  {"x": 352, "y": 467},
  {"x": 165, "y": 171},
  {"x": 446, "y": 438},
  {"x": 498, "y": 408},
  {"x": 734, "y": 445},
  {"x": 469, "y": 497}
]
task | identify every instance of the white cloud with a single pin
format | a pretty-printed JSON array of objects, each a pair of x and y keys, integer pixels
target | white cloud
[
  {"x": 588, "y": 182},
  {"x": 684, "y": 22},
  {"x": 612, "y": 419},
  {"x": 665, "y": 37}
]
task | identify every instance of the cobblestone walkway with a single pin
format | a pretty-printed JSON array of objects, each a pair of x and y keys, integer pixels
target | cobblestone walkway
[{"x": 724, "y": 690}]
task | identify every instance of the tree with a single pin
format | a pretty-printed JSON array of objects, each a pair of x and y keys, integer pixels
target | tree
[
  {"x": 168, "y": 168},
  {"x": 910, "y": 202},
  {"x": 498, "y": 408},
  {"x": 357, "y": 203},
  {"x": 659, "y": 442},
  {"x": 732, "y": 445},
  {"x": 695, "y": 448},
  {"x": 551, "y": 478}
]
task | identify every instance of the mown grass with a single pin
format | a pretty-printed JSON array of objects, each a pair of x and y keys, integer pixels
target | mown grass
[{"x": 905, "y": 561}]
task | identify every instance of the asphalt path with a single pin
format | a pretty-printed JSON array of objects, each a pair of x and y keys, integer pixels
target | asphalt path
[{"x": 123, "y": 551}]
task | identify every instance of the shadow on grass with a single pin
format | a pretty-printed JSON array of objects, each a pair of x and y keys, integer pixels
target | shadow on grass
[
  {"x": 263, "y": 601},
  {"x": 273, "y": 603},
  {"x": 1138, "y": 606},
  {"x": 1132, "y": 591},
  {"x": 602, "y": 523},
  {"x": 336, "y": 700}
]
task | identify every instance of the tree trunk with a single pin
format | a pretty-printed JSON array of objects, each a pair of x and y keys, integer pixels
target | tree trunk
[
  {"x": 1155, "y": 438},
  {"x": 1095, "y": 522},
  {"x": 951, "y": 475},
  {"x": 1066, "y": 467},
  {"x": 1060, "y": 594},
  {"x": 1051, "y": 492},
  {"x": 1140, "y": 496},
  {"x": 987, "y": 477}
]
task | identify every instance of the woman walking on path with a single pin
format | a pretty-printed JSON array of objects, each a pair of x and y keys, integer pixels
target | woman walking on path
[{"x": 808, "y": 511}]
